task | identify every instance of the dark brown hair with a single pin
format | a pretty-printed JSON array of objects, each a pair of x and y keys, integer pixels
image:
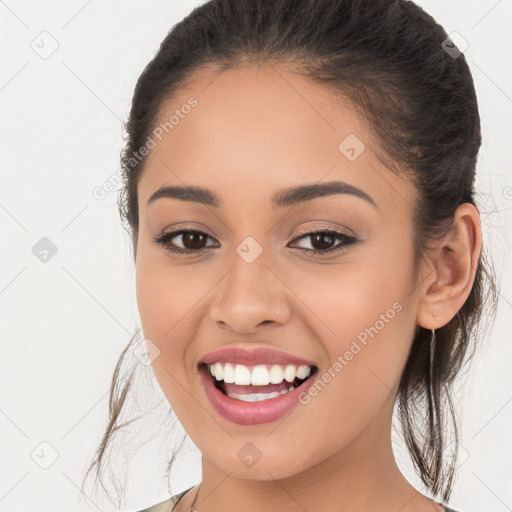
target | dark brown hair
[{"x": 388, "y": 58}]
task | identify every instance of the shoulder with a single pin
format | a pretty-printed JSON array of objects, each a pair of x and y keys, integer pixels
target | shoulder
[{"x": 167, "y": 505}]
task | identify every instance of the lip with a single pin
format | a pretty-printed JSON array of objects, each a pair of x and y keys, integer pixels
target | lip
[
  {"x": 253, "y": 356},
  {"x": 251, "y": 413}
]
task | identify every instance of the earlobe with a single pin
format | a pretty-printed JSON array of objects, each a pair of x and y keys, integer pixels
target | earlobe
[{"x": 449, "y": 280}]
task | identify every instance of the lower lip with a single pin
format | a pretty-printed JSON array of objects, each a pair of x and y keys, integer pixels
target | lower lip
[{"x": 251, "y": 413}]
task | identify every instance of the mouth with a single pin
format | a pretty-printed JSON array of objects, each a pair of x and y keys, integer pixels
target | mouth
[
  {"x": 250, "y": 386},
  {"x": 257, "y": 383}
]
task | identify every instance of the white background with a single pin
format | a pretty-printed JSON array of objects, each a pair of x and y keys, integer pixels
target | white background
[{"x": 65, "y": 322}]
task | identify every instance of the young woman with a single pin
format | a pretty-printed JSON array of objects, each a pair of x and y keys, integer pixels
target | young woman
[{"x": 299, "y": 188}]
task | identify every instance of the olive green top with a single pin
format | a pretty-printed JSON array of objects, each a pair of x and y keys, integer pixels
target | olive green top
[{"x": 167, "y": 505}]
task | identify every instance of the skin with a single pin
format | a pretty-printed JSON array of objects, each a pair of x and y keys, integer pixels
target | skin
[{"x": 255, "y": 131}]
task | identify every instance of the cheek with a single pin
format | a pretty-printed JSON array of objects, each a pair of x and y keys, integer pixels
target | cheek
[
  {"x": 368, "y": 288},
  {"x": 167, "y": 295},
  {"x": 152, "y": 289},
  {"x": 163, "y": 303},
  {"x": 163, "y": 300},
  {"x": 363, "y": 314},
  {"x": 171, "y": 300}
]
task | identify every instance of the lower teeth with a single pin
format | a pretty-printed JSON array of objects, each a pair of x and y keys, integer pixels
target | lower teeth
[{"x": 258, "y": 397}]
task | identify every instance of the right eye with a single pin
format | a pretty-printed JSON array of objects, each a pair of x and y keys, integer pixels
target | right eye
[{"x": 192, "y": 240}]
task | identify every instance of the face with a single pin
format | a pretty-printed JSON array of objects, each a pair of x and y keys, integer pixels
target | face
[{"x": 252, "y": 278}]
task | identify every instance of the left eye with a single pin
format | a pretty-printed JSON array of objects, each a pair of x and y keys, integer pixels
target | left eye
[
  {"x": 193, "y": 241},
  {"x": 325, "y": 237}
]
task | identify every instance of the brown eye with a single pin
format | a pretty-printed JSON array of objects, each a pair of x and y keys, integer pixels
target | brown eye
[
  {"x": 192, "y": 240},
  {"x": 322, "y": 241}
]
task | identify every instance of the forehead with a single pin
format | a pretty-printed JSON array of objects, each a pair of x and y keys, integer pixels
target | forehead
[{"x": 257, "y": 129}]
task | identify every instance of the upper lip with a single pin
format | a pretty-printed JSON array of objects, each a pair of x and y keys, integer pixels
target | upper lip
[{"x": 253, "y": 356}]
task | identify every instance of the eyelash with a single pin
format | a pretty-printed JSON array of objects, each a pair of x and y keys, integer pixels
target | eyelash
[{"x": 347, "y": 240}]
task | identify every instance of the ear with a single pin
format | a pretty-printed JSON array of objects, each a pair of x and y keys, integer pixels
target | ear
[{"x": 447, "y": 282}]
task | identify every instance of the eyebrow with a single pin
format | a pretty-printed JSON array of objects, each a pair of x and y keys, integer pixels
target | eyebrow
[{"x": 287, "y": 197}]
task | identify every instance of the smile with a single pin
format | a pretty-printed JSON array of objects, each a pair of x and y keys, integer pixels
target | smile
[
  {"x": 256, "y": 383},
  {"x": 254, "y": 394}
]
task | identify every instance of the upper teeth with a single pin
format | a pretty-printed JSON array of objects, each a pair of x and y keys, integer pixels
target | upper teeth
[{"x": 259, "y": 375}]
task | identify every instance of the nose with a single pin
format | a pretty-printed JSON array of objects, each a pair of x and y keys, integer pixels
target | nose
[{"x": 251, "y": 294}]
